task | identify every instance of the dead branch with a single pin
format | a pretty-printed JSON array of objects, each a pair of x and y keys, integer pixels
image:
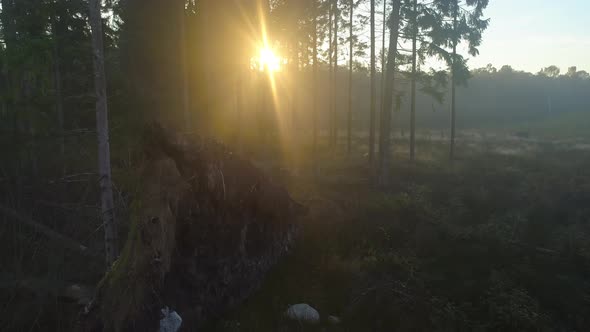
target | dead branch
[{"x": 65, "y": 241}]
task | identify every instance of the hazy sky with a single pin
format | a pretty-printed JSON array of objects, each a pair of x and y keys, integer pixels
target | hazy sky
[{"x": 531, "y": 34}]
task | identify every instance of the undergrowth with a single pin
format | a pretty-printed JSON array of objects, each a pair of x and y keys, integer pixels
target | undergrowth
[{"x": 486, "y": 243}]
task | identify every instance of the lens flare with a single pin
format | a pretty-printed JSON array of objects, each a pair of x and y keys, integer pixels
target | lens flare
[{"x": 268, "y": 60}]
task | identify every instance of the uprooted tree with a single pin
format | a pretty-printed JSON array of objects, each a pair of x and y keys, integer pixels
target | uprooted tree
[{"x": 206, "y": 225}]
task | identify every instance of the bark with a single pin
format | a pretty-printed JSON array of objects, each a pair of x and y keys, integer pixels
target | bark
[
  {"x": 207, "y": 112},
  {"x": 453, "y": 83},
  {"x": 239, "y": 108},
  {"x": 383, "y": 54},
  {"x": 28, "y": 94},
  {"x": 349, "y": 122},
  {"x": 335, "y": 96},
  {"x": 373, "y": 88},
  {"x": 10, "y": 74},
  {"x": 8, "y": 24},
  {"x": 57, "y": 33},
  {"x": 102, "y": 129},
  {"x": 59, "y": 106},
  {"x": 184, "y": 68},
  {"x": 388, "y": 100},
  {"x": 413, "y": 92},
  {"x": 315, "y": 85},
  {"x": 331, "y": 75},
  {"x": 294, "y": 85}
]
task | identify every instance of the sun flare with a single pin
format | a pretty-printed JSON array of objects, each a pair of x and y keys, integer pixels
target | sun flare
[{"x": 268, "y": 60}]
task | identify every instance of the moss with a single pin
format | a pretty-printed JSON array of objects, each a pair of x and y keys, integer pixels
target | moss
[{"x": 122, "y": 291}]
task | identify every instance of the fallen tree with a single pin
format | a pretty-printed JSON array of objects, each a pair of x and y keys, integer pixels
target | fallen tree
[{"x": 206, "y": 226}]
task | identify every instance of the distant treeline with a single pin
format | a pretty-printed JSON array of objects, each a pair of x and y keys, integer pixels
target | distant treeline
[
  {"x": 491, "y": 98},
  {"x": 508, "y": 97}
]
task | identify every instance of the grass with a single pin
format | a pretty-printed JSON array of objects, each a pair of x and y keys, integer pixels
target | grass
[
  {"x": 489, "y": 242},
  {"x": 495, "y": 241},
  {"x": 567, "y": 125}
]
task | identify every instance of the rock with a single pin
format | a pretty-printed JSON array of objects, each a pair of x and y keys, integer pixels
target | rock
[
  {"x": 334, "y": 320},
  {"x": 304, "y": 313},
  {"x": 78, "y": 293},
  {"x": 170, "y": 322}
]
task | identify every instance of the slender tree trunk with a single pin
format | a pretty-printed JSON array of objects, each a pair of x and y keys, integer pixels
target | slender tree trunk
[
  {"x": 335, "y": 96},
  {"x": 373, "y": 88},
  {"x": 56, "y": 27},
  {"x": 294, "y": 85},
  {"x": 59, "y": 107},
  {"x": 4, "y": 84},
  {"x": 385, "y": 137},
  {"x": 414, "y": 73},
  {"x": 29, "y": 94},
  {"x": 4, "y": 104},
  {"x": 184, "y": 68},
  {"x": 331, "y": 74},
  {"x": 206, "y": 113},
  {"x": 102, "y": 129},
  {"x": 315, "y": 85},
  {"x": 453, "y": 83},
  {"x": 239, "y": 107},
  {"x": 383, "y": 53},
  {"x": 10, "y": 73},
  {"x": 349, "y": 120}
]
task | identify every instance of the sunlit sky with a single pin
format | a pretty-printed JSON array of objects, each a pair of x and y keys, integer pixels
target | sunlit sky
[{"x": 531, "y": 34}]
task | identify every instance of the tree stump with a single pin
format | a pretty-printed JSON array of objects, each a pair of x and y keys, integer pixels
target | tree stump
[{"x": 206, "y": 226}]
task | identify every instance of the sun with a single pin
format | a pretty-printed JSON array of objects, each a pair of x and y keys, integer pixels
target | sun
[{"x": 268, "y": 60}]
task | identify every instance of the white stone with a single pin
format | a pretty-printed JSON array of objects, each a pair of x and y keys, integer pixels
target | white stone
[
  {"x": 304, "y": 313},
  {"x": 170, "y": 322}
]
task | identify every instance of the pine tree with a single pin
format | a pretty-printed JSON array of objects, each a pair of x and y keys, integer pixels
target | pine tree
[
  {"x": 373, "y": 88},
  {"x": 102, "y": 129},
  {"x": 350, "y": 61},
  {"x": 389, "y": 96},
  {"x": 460, "y": 20}
]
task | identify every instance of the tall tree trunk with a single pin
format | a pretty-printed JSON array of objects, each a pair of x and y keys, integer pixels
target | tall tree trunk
[
  {"x": 331, "y": 74},
  {"x": 373, "y": 88},
  {"x": 315, "y": 85},
  {"x": 335, "y": 96},
  {"x": 383, "y": 54},
  {"x": 184, "y": 67},
  {"x": 10, "y": 74},
  {"x": 349, "y": 120},
  {"x": 453, "y": 81},
  {"x": 294, "y": 85},
  {"x": 102, "y": 129},
  {"x": 413, "y": 101},
  {"x": 239, "y": 108},
  {"x": 59, "y": 106},
  {"x": 28, "y": 94},
  {"x": 57, "y": 30},
  {"x": 388, "y": 101},
  {"x": 206, "y": 114}
]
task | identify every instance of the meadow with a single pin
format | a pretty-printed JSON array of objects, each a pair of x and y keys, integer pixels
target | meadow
[{"x": 495, "y": 241}]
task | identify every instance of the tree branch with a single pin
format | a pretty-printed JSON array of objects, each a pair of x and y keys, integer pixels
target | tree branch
[{"x": 63, "y": 240}]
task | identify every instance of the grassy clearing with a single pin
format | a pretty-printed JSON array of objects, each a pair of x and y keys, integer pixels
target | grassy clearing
[{"x": 491, "y": 242}]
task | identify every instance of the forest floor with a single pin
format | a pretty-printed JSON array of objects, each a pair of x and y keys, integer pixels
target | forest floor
[{"x": 498, "y": 240}]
